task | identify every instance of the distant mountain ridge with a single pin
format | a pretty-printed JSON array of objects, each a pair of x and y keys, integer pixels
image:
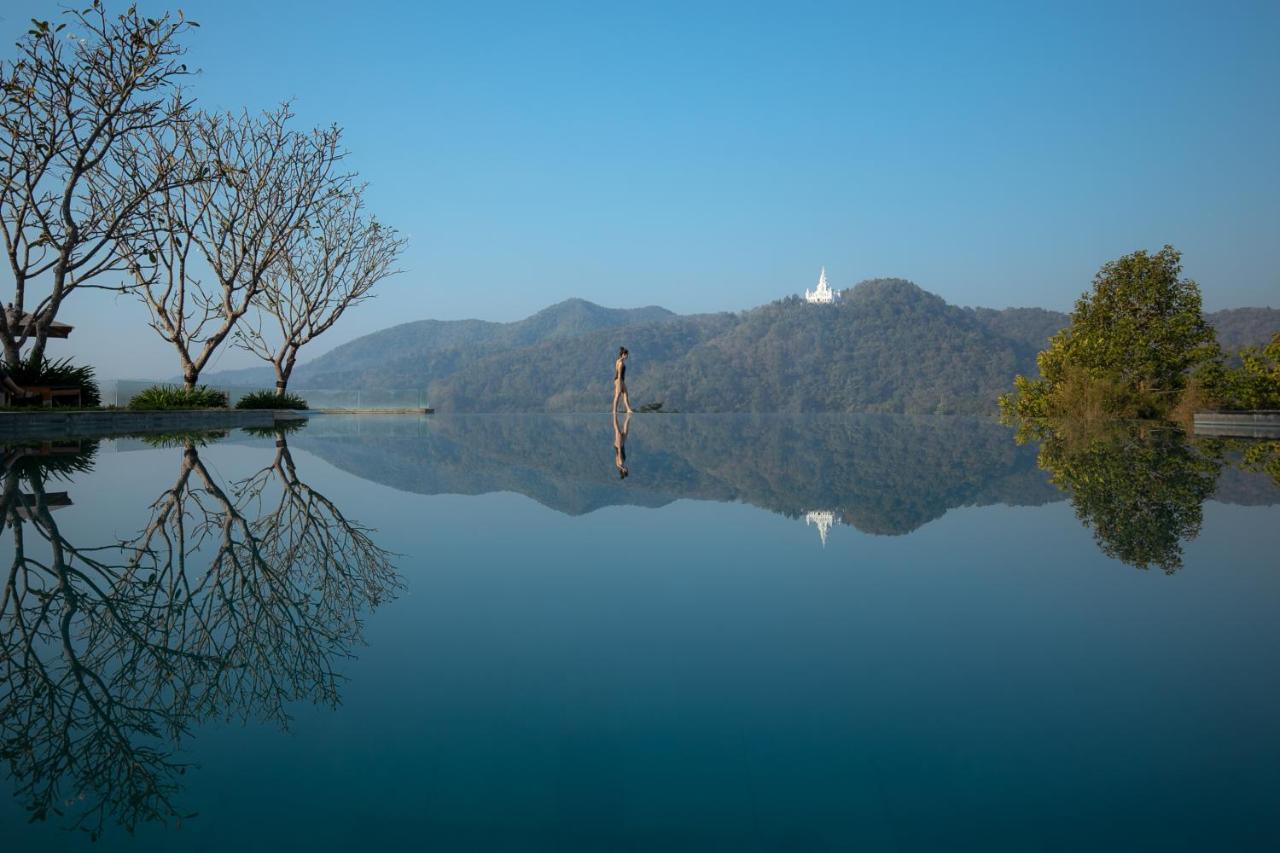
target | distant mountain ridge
[
  {"x": 1244, "y": 327},
  {"x": 429, "y": 349},
  {"x": 886, "y": 346}
]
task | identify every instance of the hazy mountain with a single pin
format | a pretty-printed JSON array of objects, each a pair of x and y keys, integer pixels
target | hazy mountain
[
  {"x": 1245, "y": 327},
  {"x": 574, "y": 374},
  {"x": 1031, "y": 328},
  {"x": 885, "y": 346},
  {"x": 412, "y": 355}
]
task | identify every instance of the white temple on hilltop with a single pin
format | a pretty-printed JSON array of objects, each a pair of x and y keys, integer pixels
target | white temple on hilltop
[
  {"x": 823, "y": 518},
  {"x": 822, "y": 294}
]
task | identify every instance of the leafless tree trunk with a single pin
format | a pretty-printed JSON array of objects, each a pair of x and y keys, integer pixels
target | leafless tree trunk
[
  {"x": 335, "y": 265},
  {"x": 210, "y": 240},
  {"x": 68, "y": 103}
]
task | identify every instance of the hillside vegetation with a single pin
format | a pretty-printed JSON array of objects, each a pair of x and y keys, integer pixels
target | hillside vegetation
[{"x": 886, "y": 346}]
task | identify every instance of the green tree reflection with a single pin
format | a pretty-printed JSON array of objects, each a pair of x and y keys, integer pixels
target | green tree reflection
[
  {"x": 1139, "y": 488},
  {"x": 1263, "y": 457},
  {"x": 233, "y": 601}
]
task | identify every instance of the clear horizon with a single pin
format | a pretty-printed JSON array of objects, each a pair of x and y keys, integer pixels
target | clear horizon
[{"x": 714, "y": 159}]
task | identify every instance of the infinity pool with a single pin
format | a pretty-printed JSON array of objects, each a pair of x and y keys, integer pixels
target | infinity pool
[{"x": 678, "y": 632}]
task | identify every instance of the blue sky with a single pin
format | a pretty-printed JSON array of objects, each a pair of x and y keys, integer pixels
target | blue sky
[{"x": 712, "y": 156}]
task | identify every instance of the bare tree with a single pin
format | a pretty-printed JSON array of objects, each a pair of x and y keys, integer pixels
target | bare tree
[
  {"x": 205, "y": 245},
  {"x": 336, "y": 265},
  {"x": 69, "y": 101}
]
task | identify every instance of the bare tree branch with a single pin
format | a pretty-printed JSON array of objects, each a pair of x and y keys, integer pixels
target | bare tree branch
[
  {"x": 336, "y": 265},
  {"x": 203, "y": 248},
  {"x": 68, "y": 103}
]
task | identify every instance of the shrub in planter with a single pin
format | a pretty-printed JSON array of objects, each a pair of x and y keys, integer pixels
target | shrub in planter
[
  {"x": 270, "y": 400},
  {"x": 178, "y": 397},
  {"x": 60, "y": 373}
]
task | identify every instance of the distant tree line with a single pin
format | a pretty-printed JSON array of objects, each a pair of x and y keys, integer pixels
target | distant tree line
[{"x": 229, "y": 227}]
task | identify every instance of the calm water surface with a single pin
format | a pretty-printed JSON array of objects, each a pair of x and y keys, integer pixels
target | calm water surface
[{"x": 773, "y": 633}]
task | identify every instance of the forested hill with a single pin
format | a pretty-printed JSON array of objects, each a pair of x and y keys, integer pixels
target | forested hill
[
  {"x": 1030, "y": 328},
  {"x": 412, "y": 355},
  {"x": 885, "y": 346}
]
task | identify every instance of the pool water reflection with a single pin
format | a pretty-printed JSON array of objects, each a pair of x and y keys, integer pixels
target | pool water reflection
[{"x": 772, "y": 633}]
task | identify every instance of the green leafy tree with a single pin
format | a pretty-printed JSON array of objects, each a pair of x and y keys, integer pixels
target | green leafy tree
[
  {"x": 1252, "y": 383},
  {"x": 1129, "y": 347}
]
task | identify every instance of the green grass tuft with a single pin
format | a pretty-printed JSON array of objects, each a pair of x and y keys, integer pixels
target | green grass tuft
[
  {"x": 176, "y": 397},
  {"x": 270, "y": 400}
]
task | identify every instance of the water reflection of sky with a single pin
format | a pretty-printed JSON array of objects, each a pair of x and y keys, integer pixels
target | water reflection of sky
[{"x": 699, "y": 669}]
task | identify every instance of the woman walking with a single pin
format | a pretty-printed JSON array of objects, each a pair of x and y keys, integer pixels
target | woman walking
[{"x": 620, "y": 381}]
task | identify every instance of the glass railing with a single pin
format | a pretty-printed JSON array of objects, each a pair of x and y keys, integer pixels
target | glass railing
[{"x": 118, "y": 392}]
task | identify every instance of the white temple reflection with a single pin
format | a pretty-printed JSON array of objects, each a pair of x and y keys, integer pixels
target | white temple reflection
[{"x": 823, "y": 519}]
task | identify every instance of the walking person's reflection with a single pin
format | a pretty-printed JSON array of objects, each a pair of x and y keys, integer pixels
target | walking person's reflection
[{"x": 620, "y": 444}]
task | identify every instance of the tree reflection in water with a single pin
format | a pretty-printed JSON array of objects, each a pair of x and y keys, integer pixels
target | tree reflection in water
[
  {"x": 1262, "y": 457},
  {"x": 233, "y": 601},
  {"x": 1141, "y": 488}
]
